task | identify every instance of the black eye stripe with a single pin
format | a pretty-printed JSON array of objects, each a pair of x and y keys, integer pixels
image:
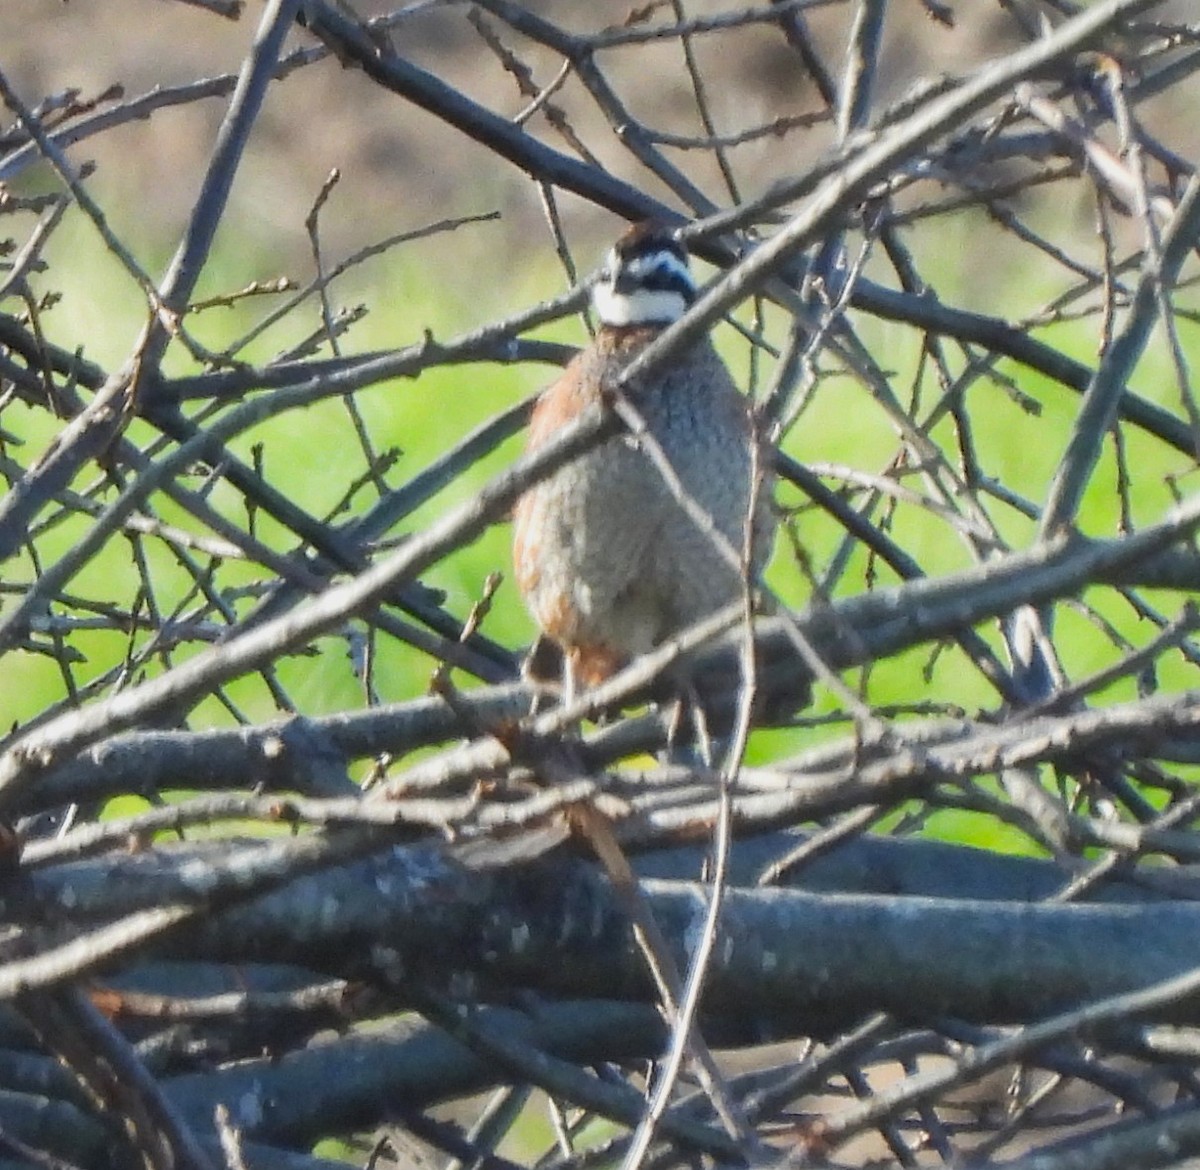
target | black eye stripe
[
  {"x": 662, "y": 273},
  {"x": 666, "y": 279}
]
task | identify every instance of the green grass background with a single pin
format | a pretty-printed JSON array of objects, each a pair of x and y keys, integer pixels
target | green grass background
[{"x": 312, "y": 454}]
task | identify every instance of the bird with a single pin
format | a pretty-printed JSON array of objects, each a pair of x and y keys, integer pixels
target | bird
[{"x": 607, "y": 558}]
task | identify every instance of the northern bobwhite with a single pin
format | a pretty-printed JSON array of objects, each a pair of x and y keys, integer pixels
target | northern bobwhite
[{"x": 607, "y": 560}]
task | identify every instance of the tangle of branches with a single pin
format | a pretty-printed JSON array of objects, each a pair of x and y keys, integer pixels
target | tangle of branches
[{"x": 300, "y": 870}]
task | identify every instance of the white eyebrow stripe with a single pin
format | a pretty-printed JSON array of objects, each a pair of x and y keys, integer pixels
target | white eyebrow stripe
[{"x": 665, "y": 262}]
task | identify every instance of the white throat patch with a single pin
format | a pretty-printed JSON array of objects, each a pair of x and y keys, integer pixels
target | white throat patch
[{"x": 641, "y": 307}]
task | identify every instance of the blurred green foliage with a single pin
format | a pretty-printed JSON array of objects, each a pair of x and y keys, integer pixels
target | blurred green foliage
[{"x": 313, "y": 455}]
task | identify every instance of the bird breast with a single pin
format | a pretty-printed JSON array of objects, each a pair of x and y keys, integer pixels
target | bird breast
[{"x": 623, "y": 545}]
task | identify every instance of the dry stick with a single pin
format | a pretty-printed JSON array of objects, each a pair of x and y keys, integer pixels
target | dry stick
[
  {"x": 484, "y": 658},
  {"x": 256, "y": 75},
  {"x": 852, "y": 114},
  {"x": 30, "y": 253},
  {"x": 93, "y": 429},
  {"x": 859, "y": 630},
  {"x": 883, "y": 622},
  {"x": 684, "y": 1031},
  {"x": 67, "y": 734},
  {"x": 892, "y": 485},
  {"x": 1119, "y": 177},
  {"x": 141, "y": 108},
  {"x": 293, "y": 573},
  {"x": 491, "y": 340},
  {"x": 205, "y": 888},
  {"x": 48, "y": 149},
  {"x": 948, "y": 752},
  {"x": 1016, "y": 343},
  {"x": 575, "y": 50},
  {"x": 391, "y": 508},
  {"x": 1162, "y": 1139},
  {"x": 429, "y": 899},
  {"x": 905, "y": 567},
  {"x": 1132, "y": 662},
  {"x": 923, "y": 1087},
  {"x": 511, "y": 142},
  {"x": 597, "y": 186},
  {"x": 522, "y": 74},
  {"x": 127, "y": 453},
  {"x": 51, "y": 580},
  {"x": 104, "y": 418},
  {"x": 135, "y": 109},
  {"x": 299, "y": 296},
  {"x": 449, "y": 814},
  {"x": 843, "y": 828},
  {"x": 807, "y": 1075},
  {"x": 318, "y": 384},
  {"x": 1098, "y": 412},
  {"x": 799, "y": 38},
  {"x": 633, "y": 35},
  {"x": 344, "y": 550},
  {"x": 147, "y": 525},
  {"x": 596, "y": 827},
  {"x": 559, "y": 1078},
  {"x": 934, "y": 116},
  {"x": 108, "y": 1065},
  {"x": 1150, "y": 836},
  {"x": 703, "y": 106},
  {"x": 861, "y": 166},
  {"x": 491, "y": 343},
  {"x": 634, "y": 138},
  {"x": 1099, "y": 409},
  {"x": 862, "y": 63},
  {"x": 774, "y": 129},
  {"x": 321, "y": 1000},
  {"x": 759, "y": 262},
  {"x": 1133, "y": 139},
  {"x": 980, "y": 533},
  {"x": 955, "y": 753},
  {"x": 335, "y": 550}
]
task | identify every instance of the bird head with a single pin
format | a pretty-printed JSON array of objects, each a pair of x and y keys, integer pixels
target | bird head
[{"x": 646, "y": 279}]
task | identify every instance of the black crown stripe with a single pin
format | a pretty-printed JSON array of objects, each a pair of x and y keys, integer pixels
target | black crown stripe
[
  {"x": 668, "y": 280},
  {"x": 649, "y": 237},
  {"x": 650, "y": 245}
]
